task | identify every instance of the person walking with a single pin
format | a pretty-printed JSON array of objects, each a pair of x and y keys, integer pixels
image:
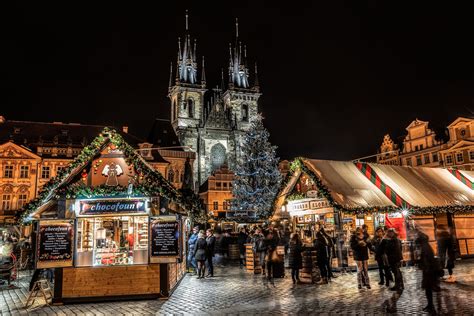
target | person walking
[
  {"x": 241, "y": 241},
  {"x": 191, "y": 246},
  {"x": 270, "y": 243},
  {"x": 360, "y": 249},
  {"x": 211, "y": 244},
  {"x": 431, "y": 270},
  {"x": 200, "y": 254},
  {"x": 381, "y": 258},
  {"x": 295, "y": 260},
  {"x": 259, "y": 248},
  {"x": 446, "y": 250},
  {"x": 323, "y": 250},
  {"x": 391, "y": 246}
]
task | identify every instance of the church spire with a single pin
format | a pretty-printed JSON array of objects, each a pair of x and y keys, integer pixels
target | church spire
[
  {"x": 238, "y": 71},
  {"x": 256, "y": 85},
  {"x": 186, "y": 67},
  {"x": 203, "y": 73},
  {"x": 171, "y": 75}
]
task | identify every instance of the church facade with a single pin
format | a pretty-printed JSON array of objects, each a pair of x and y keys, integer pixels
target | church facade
[{"x": 211, "y": 122}]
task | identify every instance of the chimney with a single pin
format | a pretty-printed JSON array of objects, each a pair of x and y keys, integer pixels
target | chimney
[
  {"x": 125, "y": 129},
  {"x": 2, "y": 119}
]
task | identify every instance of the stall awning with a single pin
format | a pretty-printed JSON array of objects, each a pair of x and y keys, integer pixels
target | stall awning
[{"x": 347, "y": 185}]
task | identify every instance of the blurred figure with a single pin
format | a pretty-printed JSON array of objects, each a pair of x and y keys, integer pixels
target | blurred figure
[
  {"x": 211, "y": 244},
  {"x": 200, "y": 254},
  {"x": 431, "y": 270},
  {"x": 360, "y": 248},
  {"x": 295, "y": 259},
  {"x": 191, "y": 247},
  {"x": 381, "y": 258},
  {"x": 241, "y": 241},
  {"x": 323, "y": 249},
  {"x": 446, "y": 250},
  {"x": 270, "y": 243},
  {"x": 391, "y": 246},
  {"x": 259, "y": 248}
]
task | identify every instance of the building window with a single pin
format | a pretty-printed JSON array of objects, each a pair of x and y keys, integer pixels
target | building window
[
  {"x": 219, "y": 185},
  {"x": 421, "y": 147},
  {"x": 8, "y": 171},
  {"x": 6, "y": 202},
  {"x": 215, "y": 206},
  {"x": 218, "y": 156},
  {"x": 59, "y": 168},
  {"x": 22, "y": 199},
  {"x": 170, "y": 175},
  {"x": 427, "y": 159},
  {"x": 449, "y": 159},
  {"x": 190, "y": 108},
  {"x": 435, "y": 157},
  {"x": 24, "y": 172},
  {"x": 224, "y": 206},
  {"x": 245, "y": 113},
  {"x": 408, "y": 162},
  {"x": 471, "y": 155},
  {"x": 459, "y": 157},
  {"x": 418, "y": 161},
  {"x": 224, "y": 185},
  {"x": 45, "y": 172},
  {"x": 416, "y": 148}
]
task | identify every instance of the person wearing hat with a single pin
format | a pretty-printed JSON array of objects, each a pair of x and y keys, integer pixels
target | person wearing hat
[
  {"x": 391, "y": 246},
  {"x": 191, "y": 246}
]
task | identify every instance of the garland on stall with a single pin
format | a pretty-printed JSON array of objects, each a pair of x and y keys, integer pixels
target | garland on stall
[
  {"x": 298, "y": 164},
  {"x": 147, "y": 180}
]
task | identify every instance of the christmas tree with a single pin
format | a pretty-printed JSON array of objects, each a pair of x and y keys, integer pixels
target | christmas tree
[{"x": 257, "y": 177}]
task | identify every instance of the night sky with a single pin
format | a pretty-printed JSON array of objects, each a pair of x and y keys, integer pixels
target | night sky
[{"x": 336, "y": 76}]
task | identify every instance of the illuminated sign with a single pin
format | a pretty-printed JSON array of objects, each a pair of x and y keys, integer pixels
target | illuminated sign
[{"x": 112, "y": 207}]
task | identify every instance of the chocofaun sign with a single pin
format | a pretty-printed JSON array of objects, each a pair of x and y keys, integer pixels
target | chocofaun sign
[{"x": 101, "y": 207}]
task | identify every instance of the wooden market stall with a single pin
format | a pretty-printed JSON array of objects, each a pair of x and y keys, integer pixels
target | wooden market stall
[
  {"x": 341, "y": 196},
  {"x": 111, "y": 227}
]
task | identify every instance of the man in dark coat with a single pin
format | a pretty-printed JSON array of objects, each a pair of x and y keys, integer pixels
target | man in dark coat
[
  {"x": 391, "y": 246},
  {"x": 446, "y": 250},
  {"x": 384, "y": 268},
  {"x": 295, "y": 260},
  {"x": 323, "y": 249},
  {"x": 211, "y": 244},
  {"x": 360, "y": 250},
  {"x": 431, "y": 270}
]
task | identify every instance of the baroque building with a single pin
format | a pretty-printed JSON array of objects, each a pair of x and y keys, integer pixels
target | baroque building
[
  {"x": 211, "y": 122},
  {"x": 422, "y": 147}
]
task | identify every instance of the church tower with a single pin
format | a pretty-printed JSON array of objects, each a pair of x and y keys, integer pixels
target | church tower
[
  {"x": 241, "y": 97},
  {"x": 187, "y": 92}
]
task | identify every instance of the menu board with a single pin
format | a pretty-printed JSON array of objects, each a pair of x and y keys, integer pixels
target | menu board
[
  {"x": 55, "y": 243},
  {"x": 164, "y": 236}
]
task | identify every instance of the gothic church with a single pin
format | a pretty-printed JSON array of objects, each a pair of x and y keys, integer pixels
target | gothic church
[{"x": 208, "y": 122}]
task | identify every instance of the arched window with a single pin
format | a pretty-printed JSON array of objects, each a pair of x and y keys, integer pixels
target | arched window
[
  {"x": 245, "y": 112},
  {"x": 218, "y": 156},
  {"x": 190, "y": 108},
  {"x": 170, "y": 175}
]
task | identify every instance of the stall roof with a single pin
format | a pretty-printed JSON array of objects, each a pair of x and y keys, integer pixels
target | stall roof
[
  {"x": 468, "y": 174},
  {"x": 348, "y": 186},
  {"x": 425, "y": 187},
  {"x": 419, "y": 186}
]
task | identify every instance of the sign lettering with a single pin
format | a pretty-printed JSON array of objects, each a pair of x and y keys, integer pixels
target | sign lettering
[{"x": 111, "y": 207}]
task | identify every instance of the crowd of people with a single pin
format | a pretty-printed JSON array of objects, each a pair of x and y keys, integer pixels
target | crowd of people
[{"x": 206, "y": 249}]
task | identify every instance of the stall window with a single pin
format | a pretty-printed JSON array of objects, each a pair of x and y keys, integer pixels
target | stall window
[
  {"x": 24, "y": 172},
  {"x": 8, "y": 172},
  {"x": 106, "y": 241},
  {"x": 418, "y": 161},
  {"x": 408, "y": 162},
  {"x": 449, "y": 159},
  {"x": 459, "y": 158},
  {"x": 471, "y": 155},
  {"x": 435, "y": 157},
  {"x": 427, "y": 158}
]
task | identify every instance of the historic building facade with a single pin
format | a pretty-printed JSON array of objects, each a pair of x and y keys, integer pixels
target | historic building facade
[
  {"x": 31, "y": 153},
  {"x": 216, "y": 192},
  {"x": 211, "y": 122},
  {"x": 421, "y": 147}
]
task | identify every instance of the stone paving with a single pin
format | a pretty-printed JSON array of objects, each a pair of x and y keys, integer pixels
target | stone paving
[{"x": 235, "y": 292}]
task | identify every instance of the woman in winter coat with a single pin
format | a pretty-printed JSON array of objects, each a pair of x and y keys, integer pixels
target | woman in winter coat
[
  {"x": 295, "y": 260},
  {"x": 360, "y": 249},
  {"x": 391, "y": 246},
  {"x": 322, "y": 243},
  {"x": 200, "y": 254},
  {"x": 431, "y": 270},
  {"x": 381, "y": 258}
]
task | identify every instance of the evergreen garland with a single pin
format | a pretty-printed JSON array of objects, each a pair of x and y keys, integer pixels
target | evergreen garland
[
  {"x": 299, "y": 164},
  {"x": 147, "y": 181}
]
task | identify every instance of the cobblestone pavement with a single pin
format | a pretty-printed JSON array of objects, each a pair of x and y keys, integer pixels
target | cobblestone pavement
[{"x": 234, "y": 291}]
